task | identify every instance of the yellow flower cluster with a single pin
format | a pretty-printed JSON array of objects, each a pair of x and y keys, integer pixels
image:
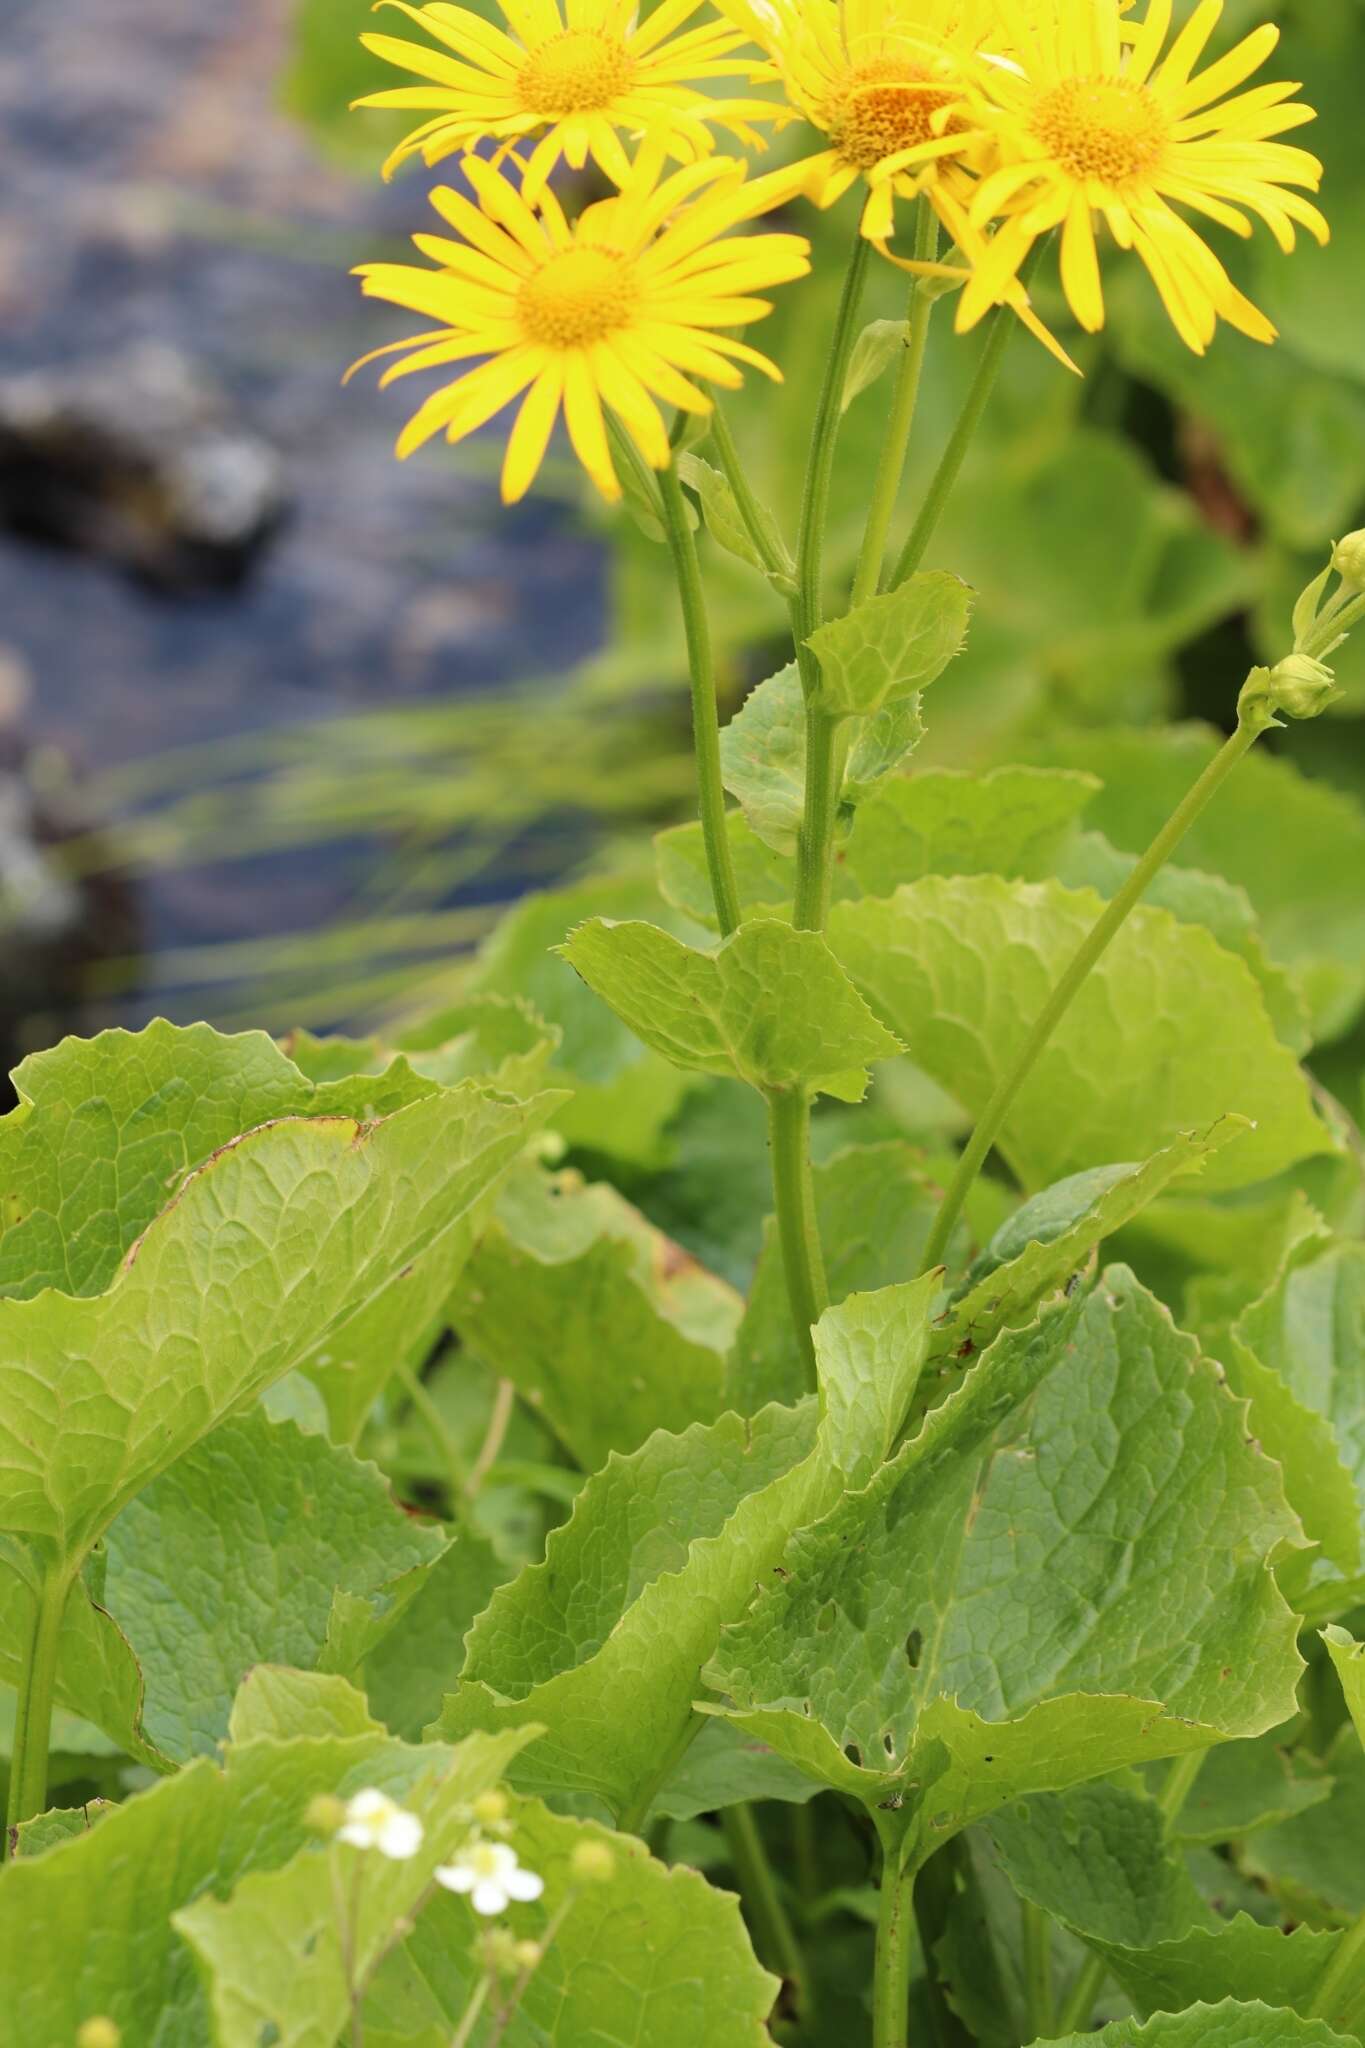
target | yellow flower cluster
[{"x": 1013, "y": 119}]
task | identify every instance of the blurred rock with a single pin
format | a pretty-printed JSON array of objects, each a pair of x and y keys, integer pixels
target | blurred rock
[
  {"x": 135, "y": 461},
  {"x": 56, "y": 919}
]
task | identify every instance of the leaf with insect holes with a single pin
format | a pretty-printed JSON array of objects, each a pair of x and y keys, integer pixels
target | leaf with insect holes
[
  {"x": 771, "y": 1006},
  {"x": 891, "y": 645},
  {"x": 958, "y": 1635}
]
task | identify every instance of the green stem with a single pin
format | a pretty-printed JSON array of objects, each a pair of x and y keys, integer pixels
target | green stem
[
  {"x": 437, "y": 1428},
  {"x": 1039, "y": 1999},
  {"x": 896, "y": 443},
  {"x": 705, "y": 721},
  {"x": 723, "y": 441},
  {"x": 1179, "y": 1783},
  {"x": 1344, "y": 1974},
  {"x": 816, "y": 838},
  {"x": 1105, "y": 928},
  {"x": 461, "y": 2037},
  {"x": 798, "y": 1230},
  {"x": 1002, "y": 326},
  {"x": 33, "y": 1714},
  {"x": 1080, "y": 2000},
  {"x": 774, "y": 1938},
  {"x": 891, "y": 1968}
]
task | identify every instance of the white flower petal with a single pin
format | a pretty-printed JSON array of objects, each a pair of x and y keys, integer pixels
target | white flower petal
[
  {"x": 356, "y": 1833},
  {"x": 488, "y": 1898},
  {"x": 455, "y": 1877},
  {"x": 399, "y": 1836},
  {"x": 523, "y": 1884}
]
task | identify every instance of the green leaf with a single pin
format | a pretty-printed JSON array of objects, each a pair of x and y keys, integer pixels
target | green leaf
[
  {"x": 652, "y": 1957},
  {"x": 763, "y": 759},
  {"x": 961, "y": 966},
  {"x": 412, "y": 1666},
  {"x": 1301, "y": 878},
  {"x": 876, "y": 348},
  {"x": 1012, "y": 821},
  {"x": 1229, "y": 2025},
  {"x": 1298, "y": 1354},
  {"x": 765, "y": 880},
  {"x": 875, "y": 1208},
  {"x": 1314, "y": 1863},
  {"x": 975, "y": 1641},
  {"x": 890, "y": 645},
  {"x": 771, "y": 1006},
  {"x": 1243, "y": 1787},
  {"x": 234, "y": 1558},
  {"x": 270, "y": 1248},
  {"x": 726, "y": 526},
  {"x": 722, "y": 1767},
  {"x": 272, "y": 1954},
  {"x": 604, "y": 1643},
  {"x": 195, "y": 1833},
  {"x": 278, "y": 1704},
  {"x": 1348, "y": 1659},
  {"x": 1048, "y": 1240},
  {"x": 604, "y": 1326},
  {"x": 623, "y": 1095}
]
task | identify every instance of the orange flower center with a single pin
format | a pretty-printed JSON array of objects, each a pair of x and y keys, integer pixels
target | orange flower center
[
  {"x": 577, "y": 72},
  {"x": 884, "y": 106},
  {"x": 578, "y": 297},
  {"x": 1106, "y": 128}
]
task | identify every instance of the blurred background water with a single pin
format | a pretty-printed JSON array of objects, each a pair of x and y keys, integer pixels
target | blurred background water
[{"x": 282, "y": 721}]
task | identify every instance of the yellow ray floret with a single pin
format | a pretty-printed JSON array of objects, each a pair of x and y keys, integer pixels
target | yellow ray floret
[
  {"x": 1094, "y": 123},
  {"x": 883, "y": 80},
  {"x": 575, "y": 79},
  {"x": 625, "y": 307}
]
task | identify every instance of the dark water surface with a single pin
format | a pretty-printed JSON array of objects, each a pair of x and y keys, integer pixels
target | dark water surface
[{"x": 152, "y": 195}]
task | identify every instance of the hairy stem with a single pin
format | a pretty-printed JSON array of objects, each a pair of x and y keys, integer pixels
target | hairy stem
[
  {"x": 1100, "y": 935},
  {"x": 1179, "y": 1783},
  {"x": 816, "y": 838},
  {"x": 774, "y": 1938},
  {"x": 798, "y": 1230},
  {"x": 705, "y": 721},
  {"x": 900, "y": 423},
  {"x": 891, "y": 1968},
  {"x": 33, "y": 1711},
  {"x": 1079, "y": 2003}
]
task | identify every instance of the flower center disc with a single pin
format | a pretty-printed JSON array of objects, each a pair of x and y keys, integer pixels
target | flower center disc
[
  {"x": 1105, "y": 128},
  {"x": 577, "y": 72},
  {"x": 577, "y": 298},
  {"x": 884, "y": 106}
]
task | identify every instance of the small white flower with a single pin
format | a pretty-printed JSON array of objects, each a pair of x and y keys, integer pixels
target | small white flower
[
  {"x": 491, "y": 1875},
  {"x": 374, "y": 1822}
]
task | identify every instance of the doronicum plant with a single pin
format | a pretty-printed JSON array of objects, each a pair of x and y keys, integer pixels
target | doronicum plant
[{"x": 982, "y": 1612}]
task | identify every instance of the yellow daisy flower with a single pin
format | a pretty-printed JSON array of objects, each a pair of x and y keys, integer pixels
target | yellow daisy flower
[
  {"x": 1093, "y": 119},
  {"x": 884, "y": 80},
  {"x": 625, "y": 306},
  {"x": 579, "y": 77}
]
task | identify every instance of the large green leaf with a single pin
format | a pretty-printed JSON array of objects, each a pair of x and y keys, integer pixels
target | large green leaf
[
  {"x": 977, "y": 1638},
  {"x": 1229, "y": 2025},
  {"x": 269, "y": 1248},
  {"x": 1012, "y": 821},
  {"x": 961, "y": 966},
  {"x": 604, "y": 1644},
  {"x": 413, "y": 1664},
  {"x": 771, "y": 1006},
  {"x": 236, "y": 1556},
  {"x": 195, "y": 1833},
  {"x": 1302, "y": 878},
  {"x": 605, "y": 1326},
  {"x": 891, "y": 645}
]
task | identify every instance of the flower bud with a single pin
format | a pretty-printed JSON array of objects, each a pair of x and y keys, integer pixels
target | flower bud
[
  {"x": 490, "y": 1808},
  {"x": 325, "y": 1814},
  {"x": 1298, "y": 686},
  {"x": 592, "y": 1863},
  {"x": 529, "y": 1955},
  {"x": 498, "y": 1949},
  {"x": 99, "y": 2032},
  {"x": 1348, "y": 559}
]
